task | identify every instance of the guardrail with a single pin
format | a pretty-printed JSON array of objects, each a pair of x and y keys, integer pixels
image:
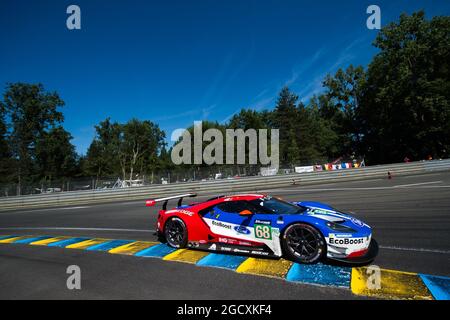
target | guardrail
[{"x": 252, "y": 184}]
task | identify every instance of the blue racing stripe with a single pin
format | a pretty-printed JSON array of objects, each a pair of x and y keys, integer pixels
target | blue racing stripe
[
  {"x": 6, "y": 237},
  {"x": 438, "y": 286},
  {"x": 106, "y": 246},
  {"x": 222, "y": 261},
  {"x": 66, "y": 242},
  {"x": 320, "y": 274},
  {"x": 32, "y": 239},
  {"x": 159, "y": 251}
]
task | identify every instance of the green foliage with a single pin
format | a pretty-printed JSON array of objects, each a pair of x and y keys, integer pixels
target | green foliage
[
  {"x": 292, "y": 150},
  {"x": 405, "y": 110},
  {"x": 343, "y": 92},
  {"x": 33, "y": 115},
  {"x": 247, "y": 119},
  {"x": 124, "y": 149},
  {"x": 55, "y": 155},
  {"x": 306, "y": 135},
  {"x": 5, "y": 154},
  {"x": 285, "y": 117}
]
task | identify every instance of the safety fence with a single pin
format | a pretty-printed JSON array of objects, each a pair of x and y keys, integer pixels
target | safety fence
[{"x": 249, "y": 184}]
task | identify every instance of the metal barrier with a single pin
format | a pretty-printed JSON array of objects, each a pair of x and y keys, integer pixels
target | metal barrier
[{"x": 252, "y": 184}]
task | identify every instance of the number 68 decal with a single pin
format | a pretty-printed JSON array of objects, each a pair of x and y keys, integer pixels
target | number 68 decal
[{"x": 263, "y": 231}]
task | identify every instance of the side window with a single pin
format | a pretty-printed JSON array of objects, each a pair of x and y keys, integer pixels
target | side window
[
  {"x": 256, "y": 207},
  {"x": 234, "y": 206},
  {"x": 206, "y": 210}
]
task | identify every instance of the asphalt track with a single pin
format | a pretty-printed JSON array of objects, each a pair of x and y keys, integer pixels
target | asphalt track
[{"x": 410, "y": 217}]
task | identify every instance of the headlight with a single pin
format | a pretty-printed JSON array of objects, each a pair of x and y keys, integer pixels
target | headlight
[{"x": 339, "y": 227}]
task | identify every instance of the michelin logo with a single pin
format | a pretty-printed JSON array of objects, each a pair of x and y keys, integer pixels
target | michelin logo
[{"x": 267, "y": 222}]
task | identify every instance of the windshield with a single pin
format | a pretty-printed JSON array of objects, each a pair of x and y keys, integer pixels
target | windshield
[{"x": 274, "y": 205}]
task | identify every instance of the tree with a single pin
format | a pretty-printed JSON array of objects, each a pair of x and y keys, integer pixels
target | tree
[
  {"x": 305, "y": 136},
  {"x": 141, "y": 143},
  {"x": 405, "y": 109},
  {"x": 325, "y": 138},
  {"x": 202, "y": 169},
  {"x": 4, "y": 148},
  {"x": 55, "y": 155},
  {"x": 103, "y": 157},
  {"x": 95, "y": 162},
  {"x": 5, "y": 155},
  {"x": 285, "y": 117},
  {"x": 344, "y": 93},
  {"x": 32, "y": 111},
  {"x": 293, "y": 152},
  {"x": 247, "y": 119},
  {"x": 162, "y": 163},
  {"x": 123, "y": 149}
]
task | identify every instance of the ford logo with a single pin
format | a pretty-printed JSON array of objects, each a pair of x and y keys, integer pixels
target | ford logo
[
  {"x": 242, "y": 229},
  {"x": 357, "y": 222}
]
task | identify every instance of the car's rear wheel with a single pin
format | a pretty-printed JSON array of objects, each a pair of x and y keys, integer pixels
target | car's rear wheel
[
  {"x": 303, "y": 243},
  {"x": 175, "y": 232}
]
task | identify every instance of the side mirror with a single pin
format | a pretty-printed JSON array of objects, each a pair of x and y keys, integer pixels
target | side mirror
[{"x": 245, "y": 213}]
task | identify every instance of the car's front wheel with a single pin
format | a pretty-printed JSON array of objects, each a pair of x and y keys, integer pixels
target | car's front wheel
[
  {"x": 175, "y": 232},
  {"x": 303, "y": 243}
]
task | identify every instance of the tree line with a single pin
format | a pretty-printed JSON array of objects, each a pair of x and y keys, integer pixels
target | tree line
[{"x": 396, "y": 107}]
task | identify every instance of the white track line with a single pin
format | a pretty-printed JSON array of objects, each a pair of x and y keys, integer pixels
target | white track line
[
  {"x": 79, "y": 229},
  {"x": 430, "y": 187},
  {"x": 412, "y": 186},
  {"x": 44, "y": 210},
  {"x": 416, "y": 184},
  {"x": 415, "y": 249},
  {"x": 325, "y": 189}
]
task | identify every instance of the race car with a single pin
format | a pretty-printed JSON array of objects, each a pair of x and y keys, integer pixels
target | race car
[{"x": 262, "y": 225}]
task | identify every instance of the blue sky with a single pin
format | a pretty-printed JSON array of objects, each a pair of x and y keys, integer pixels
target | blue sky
[{"x": 173, "y": 62}]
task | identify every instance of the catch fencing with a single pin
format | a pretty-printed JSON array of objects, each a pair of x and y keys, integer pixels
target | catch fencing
[{"x": 225, "y": 186}]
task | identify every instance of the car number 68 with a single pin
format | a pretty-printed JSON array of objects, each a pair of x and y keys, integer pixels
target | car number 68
[{"x": 263, "y": 231}]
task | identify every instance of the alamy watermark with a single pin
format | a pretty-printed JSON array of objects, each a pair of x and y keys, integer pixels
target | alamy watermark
[
  {"x": 73, "y": 21},
  {"x": 374, "y": 20},
  {"x": 373, "y": 277},
  {"x": 74, "y": 280},
  {"x": 251, "y": 142}
]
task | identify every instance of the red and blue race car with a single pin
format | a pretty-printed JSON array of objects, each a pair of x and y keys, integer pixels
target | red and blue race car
[{"x": 261, "y": 225}]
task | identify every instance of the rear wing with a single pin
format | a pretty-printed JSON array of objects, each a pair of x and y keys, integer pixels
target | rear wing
[{"x": 165, "y": 200}]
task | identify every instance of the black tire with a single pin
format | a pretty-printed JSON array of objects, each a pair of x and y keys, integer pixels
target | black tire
[
  {"x": 161, "y": 237},
  {"x": 303, "y": 243},
  {"x": 175, "y": 233}
]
